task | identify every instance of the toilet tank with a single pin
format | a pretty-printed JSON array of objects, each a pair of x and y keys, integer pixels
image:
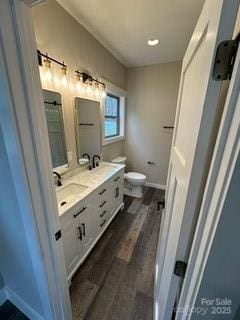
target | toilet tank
[{"x": 120, "y": 160}]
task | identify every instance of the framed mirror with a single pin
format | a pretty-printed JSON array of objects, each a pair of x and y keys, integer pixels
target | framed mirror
[
  {"x": 88, "y": 128},
  {"x": 56, "y": 134}
]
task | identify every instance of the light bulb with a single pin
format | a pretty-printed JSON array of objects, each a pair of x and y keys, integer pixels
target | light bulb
[
  {"x": 78, "y": 86},
  {"x": 96, "y": 91},
  {"x": 64, "y": 81},
  {"x": 42, "y": 74},
  {"x": 89, "y": 89},
  {"x": 103, "y": 94},
  {"x": 48, "y": 74},
  {"x": 64, "y": 76}
]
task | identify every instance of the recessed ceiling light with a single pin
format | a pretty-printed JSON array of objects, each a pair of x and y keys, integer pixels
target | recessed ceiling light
[{"x": 153, "y": 42}]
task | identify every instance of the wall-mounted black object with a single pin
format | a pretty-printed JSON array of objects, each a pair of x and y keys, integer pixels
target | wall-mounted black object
[
  {"x": 180, "y": 268},
  {"x": 86, "y": 124},
  {"x": 151, "y": 163},
  {"x": 58, "y": 235},
  {"x": 224, "y": 59},
  {"x": 168, "y": 127}
]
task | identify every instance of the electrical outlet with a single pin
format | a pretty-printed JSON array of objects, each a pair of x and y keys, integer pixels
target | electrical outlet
[{"x": 69, "y": 156}]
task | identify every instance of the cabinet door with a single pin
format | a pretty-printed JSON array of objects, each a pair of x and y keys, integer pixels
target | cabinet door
[
  {"x": 70, "y": 243},
  {"x": 86, "y": 229},
  {"x": 117, "y": 190}
]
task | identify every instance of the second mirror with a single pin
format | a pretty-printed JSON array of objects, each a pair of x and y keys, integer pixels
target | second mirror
[{"x": 88, "y": 128}]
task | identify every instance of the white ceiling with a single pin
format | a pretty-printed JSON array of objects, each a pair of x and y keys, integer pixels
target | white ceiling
[{"x": 124, "y": 26}]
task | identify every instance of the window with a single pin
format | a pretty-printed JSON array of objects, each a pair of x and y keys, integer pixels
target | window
[{"x": 112, "y": 116}]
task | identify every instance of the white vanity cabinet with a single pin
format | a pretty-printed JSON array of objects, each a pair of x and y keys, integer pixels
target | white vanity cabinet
[{"x": 84, "y": 224}]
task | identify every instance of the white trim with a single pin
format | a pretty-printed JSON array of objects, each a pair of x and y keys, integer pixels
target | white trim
[
  {"x": 219, "y": 27},
  {"x": 3, "y": 296},
  {"x": 33, "y": 3},
  {"x": 155, "y": 185},
  {"x": 122, "y": 94},
  {"x": 107, "y": 141},
  {"x": 26, "y": 140},
  {"x": 113, "y": 89},
  {"x": 22, "y": 305},
  {"x": 224, "y": 160}
]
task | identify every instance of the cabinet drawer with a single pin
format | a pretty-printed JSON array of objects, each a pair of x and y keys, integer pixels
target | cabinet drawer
[
  {"x": 83, "y": 208},
  {"x": 117, "y": 179}
]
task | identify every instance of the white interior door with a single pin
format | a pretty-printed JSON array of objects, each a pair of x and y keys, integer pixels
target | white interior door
[{"x": 197, "y": 119}]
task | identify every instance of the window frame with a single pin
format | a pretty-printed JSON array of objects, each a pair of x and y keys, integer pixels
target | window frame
[{"x": 113, "y": 117}]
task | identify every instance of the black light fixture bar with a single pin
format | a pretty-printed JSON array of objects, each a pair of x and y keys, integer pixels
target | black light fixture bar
[
  {"x": 86, "y": 77},
  {"x": 45, "y": 55}
]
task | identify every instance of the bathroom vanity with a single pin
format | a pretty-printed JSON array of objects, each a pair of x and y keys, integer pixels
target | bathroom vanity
[
  {"x": 87, "y": 200},
  {"x": 87, "y": 203}
]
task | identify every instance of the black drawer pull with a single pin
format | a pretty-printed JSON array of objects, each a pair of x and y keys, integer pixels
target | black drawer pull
[
  {"x": 102, "y": 214},
  {"x": 80, "y": 233},
  {"x": 77, "y": 214},
  {"x": 116, "y": 179},
  {"x": 84, "y": 229},
  {"x": 103, "y": 223},
  {"x": 101, "y": 205},
  {"x": 102, "y": 192}
]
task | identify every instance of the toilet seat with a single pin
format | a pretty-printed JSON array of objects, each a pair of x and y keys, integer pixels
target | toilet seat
[{"x": 135, "y": 177}]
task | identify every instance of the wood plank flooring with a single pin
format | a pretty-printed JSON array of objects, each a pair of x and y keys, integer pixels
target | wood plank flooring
[{"x": 116, "y": 280}]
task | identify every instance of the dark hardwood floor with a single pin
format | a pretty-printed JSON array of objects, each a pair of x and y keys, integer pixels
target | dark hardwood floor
[{"x": 116, "y": 280}]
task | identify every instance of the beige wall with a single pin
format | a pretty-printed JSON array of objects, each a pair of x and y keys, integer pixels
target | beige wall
[
  {"x": 151, "y": 104},
  {"x": 64, "y": 38}
]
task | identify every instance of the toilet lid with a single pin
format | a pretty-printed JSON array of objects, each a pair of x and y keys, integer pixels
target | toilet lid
[{"x": 135, "y": 176}]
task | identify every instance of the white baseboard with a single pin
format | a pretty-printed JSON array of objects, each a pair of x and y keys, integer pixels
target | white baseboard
[
  {"x": 155, "y": 185},
  {"x": 3, "y": 296},
  {"x": 22, "y": 305}
]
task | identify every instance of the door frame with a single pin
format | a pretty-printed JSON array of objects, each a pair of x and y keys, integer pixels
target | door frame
[
  {"x": 27, "y": 145},
  {"x": 224, "y": 159},
  {"x": 226, "y": 33}
]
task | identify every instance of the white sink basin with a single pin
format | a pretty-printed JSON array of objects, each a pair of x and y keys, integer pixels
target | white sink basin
[{"x": 69, "y": 193}]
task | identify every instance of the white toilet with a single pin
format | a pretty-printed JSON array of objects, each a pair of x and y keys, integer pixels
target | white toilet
[{"x": 133, "y": 181}]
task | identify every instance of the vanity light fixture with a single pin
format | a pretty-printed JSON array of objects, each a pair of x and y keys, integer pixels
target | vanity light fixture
[
  {"x": 93, "y": 86},
  {"x": 47, "y": 60},
  {"x": 153, "y": 42},
  {"x": 85, "y": 82}
]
